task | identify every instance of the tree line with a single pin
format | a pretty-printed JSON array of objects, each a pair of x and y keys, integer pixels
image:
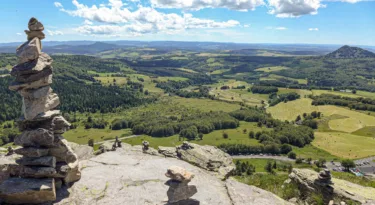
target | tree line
[
  {"x": 352, "y": 103},
  {"x": 187, "y": 126},
  {"x": 286, "y": 97}
]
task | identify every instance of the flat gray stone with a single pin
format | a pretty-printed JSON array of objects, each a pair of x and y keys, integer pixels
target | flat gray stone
[
  {"x": 63, "y": 152},
  {"x": 43, "y": 120},
  {"x": 35, "y": 34},
  {"x": 25, "y": 191},
  {"x": 167, "y": 151},
  {"x": 207, "y": 157},
  {"x": 31, "y": 67},
  {"x": 60, "y": 125},
  {"x": 29, "y": 51},
  {"x": 242, "y": 194},
  {"x": 15, "y": 86},
  {"x": 38, "y": 172},
  {"x": 46, "y": 161},
  {"x": 31, "y": 152},
  {"x": 35, "y": 138},
  {"x": 28, "y": 78},
  {"x": 38, "y": 101}
]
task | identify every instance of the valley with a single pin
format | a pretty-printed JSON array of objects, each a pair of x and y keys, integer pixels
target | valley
[{"x": 245, "y": 104}]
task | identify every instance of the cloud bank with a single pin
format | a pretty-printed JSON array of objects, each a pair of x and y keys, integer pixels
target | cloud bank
[{"x": 115, "y": 19}]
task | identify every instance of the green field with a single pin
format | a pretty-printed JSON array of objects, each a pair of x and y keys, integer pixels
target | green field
[
  {"x": 187, "y": 70},
  {"x": 220, "y": 71},
  {"x": 271, "y": 69},
  {"x": 164, "y": 79},
  {"x": 353, "y": 121},
  {"x": 237, "y": 95},
  {"x": 310, "y": 151},
  {"x": 345, "y": 145},
  {"x": 82, "y": 135},
  {"x": 205, "y": 104},
  {"x": 276, "y": 77},
  {"x": 290, "y": 110},
  {"x": 366, "y": 132},
  {"x": 345, "y": 94},
  {"x": 120, "y": 81}
]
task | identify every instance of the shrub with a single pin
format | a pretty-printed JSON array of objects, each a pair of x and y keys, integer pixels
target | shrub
[
  {"x": 91, "y": 142},
  {"x": 225, "y": 135},
  {"x": 292, "y": 155},
  {"x": 299, "y": 161},
  {"x": 347, "y": 164},
  {"x": 189, "y": 133}
]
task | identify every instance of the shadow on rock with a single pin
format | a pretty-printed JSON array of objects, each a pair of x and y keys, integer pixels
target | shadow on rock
[
  {"x": 185, "y": 202},
  {"x": 62, "y": 193}
]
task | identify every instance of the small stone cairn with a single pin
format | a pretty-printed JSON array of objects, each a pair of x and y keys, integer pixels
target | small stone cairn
[
  {"x": 325, "y": 176},
  {"x": 179, "y": 191},
  {"x": 46, "y": 156},
  {"x": 145, "y": 145},
  {"x": 10, "y": 151}
]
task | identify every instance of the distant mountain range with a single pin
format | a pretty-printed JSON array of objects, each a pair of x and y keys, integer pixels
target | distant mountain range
[
  {"x": 351, "y": 52},
  {"x": 93, "y": 47}
]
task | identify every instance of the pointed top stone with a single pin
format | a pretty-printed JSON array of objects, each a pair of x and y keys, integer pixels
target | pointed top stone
[{"x": 35, "y": 25}]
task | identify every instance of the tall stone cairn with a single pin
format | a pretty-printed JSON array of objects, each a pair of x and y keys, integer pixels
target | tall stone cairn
[{"x": 47, "y": 158}]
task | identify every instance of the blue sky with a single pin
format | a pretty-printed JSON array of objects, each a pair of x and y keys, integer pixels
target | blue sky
[{"x": 245, "y": 21}]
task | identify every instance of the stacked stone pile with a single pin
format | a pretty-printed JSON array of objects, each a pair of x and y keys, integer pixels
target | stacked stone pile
[
  {"x": 46, "y": 156},
  {"x": 325, "y": 176},
  {"x": 179, "y": 191}
]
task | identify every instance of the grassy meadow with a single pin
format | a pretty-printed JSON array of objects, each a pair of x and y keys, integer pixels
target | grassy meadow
[
  {"x": 345, "y": 145},
  {"x": 342, "y": 132},
  {"x": 272, "y": 69}
]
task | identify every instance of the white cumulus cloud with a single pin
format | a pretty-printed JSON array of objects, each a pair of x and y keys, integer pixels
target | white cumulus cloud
[
  {"x": 54, "y": 33},
  {"x": 294, "y": 8},
  {"x": 19, "y": 34},
  {"x": 87, "y": 22},
  {"x": 313, "y": 29},
  {"x": 116, "y": 20},
  {"x": 58, "y": 4},
  {"x": 240, "y": 5}
]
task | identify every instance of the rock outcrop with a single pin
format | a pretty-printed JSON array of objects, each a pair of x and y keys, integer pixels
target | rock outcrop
[
  {"x": 310, "y": 183},
  {"x": 207, "y": 157},
  {"x": 46, "y": 156},
  {"x": 129, "y": 176}
]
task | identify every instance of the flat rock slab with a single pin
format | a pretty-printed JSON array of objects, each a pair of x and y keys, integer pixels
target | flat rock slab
[
  {"x": 31, "y": 152},
  {"x": 26, "y": 191},
  {"x": 15, "y": 86},
  {"x": 242, "y": 194},
  {"x": 34, "y": 138},
  {"x": 43, "y": 62},
  {"x": 127, "y": 176},
  {"x": 32, "y": 106},
  {"x": 47, "y": 161}
]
